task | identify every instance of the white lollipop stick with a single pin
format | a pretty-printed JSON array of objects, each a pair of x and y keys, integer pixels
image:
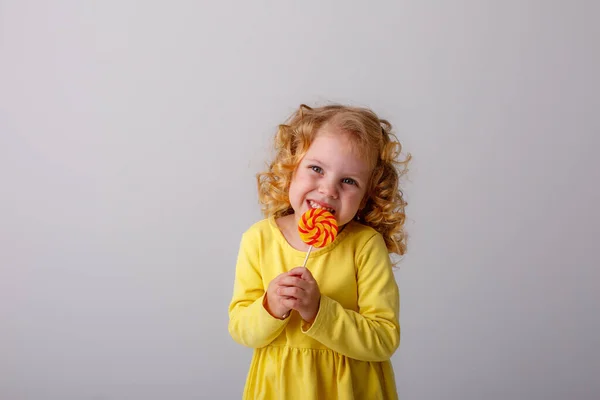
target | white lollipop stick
[{"x": 307, "y": 254}]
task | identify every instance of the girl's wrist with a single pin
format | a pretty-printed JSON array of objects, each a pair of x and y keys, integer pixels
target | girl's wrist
[
  {"x": 266, "y": 306},
  {"x": 272, "y": 313},
  {"x": 313, "y": 316}
]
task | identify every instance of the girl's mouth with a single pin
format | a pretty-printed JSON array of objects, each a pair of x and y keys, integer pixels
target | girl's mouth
[{"x": 314, "y": 204}]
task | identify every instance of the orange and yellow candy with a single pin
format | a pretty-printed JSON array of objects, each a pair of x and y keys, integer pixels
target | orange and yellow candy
[{"x": 317, "y": 227}]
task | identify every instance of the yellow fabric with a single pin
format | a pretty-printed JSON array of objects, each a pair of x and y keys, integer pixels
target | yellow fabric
[{"x": 345, "y": 353}]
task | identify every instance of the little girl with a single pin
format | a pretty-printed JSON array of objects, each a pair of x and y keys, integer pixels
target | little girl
[{"x": 326, "y": 331}]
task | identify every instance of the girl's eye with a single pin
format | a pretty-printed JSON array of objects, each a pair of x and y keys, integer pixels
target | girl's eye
[
  {"x": 349, "y": 181},
  {"x": 318, "y": 170}
]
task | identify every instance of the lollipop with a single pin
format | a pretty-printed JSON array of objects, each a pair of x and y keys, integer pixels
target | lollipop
[{"x": 317, "y": 228}]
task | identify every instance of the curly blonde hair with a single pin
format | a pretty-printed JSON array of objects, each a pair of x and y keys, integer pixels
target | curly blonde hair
[{"x": 383, "y": 205}]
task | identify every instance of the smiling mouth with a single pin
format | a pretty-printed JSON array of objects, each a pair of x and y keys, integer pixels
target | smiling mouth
[{"x": 316, "y": 205}]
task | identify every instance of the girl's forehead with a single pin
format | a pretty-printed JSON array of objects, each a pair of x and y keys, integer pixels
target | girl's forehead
[
  {"x": 335, "y": 149},
  {"x": 332, "y": 138},
  {"x": 334, "y": 142}
]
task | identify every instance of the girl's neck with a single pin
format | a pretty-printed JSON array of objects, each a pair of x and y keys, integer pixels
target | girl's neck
[{"x": 288, "y": 226}]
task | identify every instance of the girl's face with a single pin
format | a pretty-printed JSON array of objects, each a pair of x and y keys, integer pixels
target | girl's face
[{"x": 331, "y": 175}]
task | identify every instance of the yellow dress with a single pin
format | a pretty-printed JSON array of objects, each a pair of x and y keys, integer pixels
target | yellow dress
[{"x": 345, "y": 353}]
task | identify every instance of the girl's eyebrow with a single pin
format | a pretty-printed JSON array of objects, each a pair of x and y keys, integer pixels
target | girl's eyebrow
[{"x": 314, "y": 160}]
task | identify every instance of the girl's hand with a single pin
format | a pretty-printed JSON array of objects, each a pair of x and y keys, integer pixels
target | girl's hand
[
  {"x": 274, "y": 301},
  {"x": 301, "y": 293}
]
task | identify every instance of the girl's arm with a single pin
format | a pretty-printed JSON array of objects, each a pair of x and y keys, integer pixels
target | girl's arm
[
  {"x": 250, "y": 324},
  {"x": 372, "y": 333}
]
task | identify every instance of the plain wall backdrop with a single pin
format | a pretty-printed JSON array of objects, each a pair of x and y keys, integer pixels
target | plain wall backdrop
[{"x": 131, "y": 133}]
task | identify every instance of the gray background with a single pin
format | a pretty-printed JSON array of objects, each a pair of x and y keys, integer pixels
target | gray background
[{"x": 130, "y": 134}]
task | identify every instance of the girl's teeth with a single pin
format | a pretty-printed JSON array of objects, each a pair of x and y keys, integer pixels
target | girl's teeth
[{"x": 315, "y": 205}]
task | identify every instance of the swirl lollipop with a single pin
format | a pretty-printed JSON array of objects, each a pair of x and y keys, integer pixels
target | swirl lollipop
[{"x": 317, "y": 228}]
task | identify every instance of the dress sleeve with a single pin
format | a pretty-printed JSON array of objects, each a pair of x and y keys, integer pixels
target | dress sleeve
[
  {"x": 372, "y": 333},
  {"x": 250, "y": 324}
]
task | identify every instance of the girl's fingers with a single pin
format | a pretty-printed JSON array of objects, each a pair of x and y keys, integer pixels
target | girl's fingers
[
  {"x": 281, "y": 276},
  {"x": 289, "y": 303},
  {"x": 293, "y": 281},
  {"x": 290, "y": 291},
  {"x": 298, "y": 271},
  {"x": 303, "y": 273}
]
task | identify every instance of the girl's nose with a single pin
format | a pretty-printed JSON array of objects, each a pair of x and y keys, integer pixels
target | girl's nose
[{"x": 328, "y": 189}]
